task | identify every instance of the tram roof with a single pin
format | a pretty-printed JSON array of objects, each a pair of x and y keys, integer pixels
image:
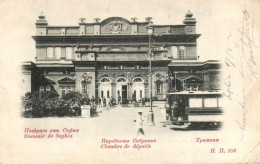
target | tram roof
[{"x": 196, "y": 93}]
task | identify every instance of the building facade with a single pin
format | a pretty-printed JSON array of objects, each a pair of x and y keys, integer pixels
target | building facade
[{"x": 111, "y": 58}]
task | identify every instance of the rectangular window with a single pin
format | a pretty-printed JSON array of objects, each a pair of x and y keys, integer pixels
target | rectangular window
[
  {"x": 74, "y": 52},
  {"x": 69, "y": 89},
  {"x": 63, "y": 91},
  {"x": 50, "y": 53},
  {"x": 69, "y": 53},
  {"x": 141, "y": 94},
  {"x": 182, "y": 52},
  {"x": 41, "y": 89},
  {"x": 84, "y": 88},
  {"x": 48, "y": 88},
  {"x": 159, "y": 88},
  {"x": 104, "y": 67},
  {"x": 108, "y": 94},
  {"x": 189, "y": 88},
  {"x": 57, "y": 52},
  {"x": 196, "y": 88},
  {"x": 220, "y": 102},
  {"x": 195, "y": 102},
  {"x": 102, "y": 94},
  {"x": 210, "y": 102}
]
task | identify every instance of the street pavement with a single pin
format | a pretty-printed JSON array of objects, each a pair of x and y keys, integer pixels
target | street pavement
[
  {"x": 120, "y": 120},
  {"x": 110, "y": 124}
]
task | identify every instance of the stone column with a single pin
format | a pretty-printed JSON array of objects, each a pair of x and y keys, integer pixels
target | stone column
[{"x": 113, "y": 89}]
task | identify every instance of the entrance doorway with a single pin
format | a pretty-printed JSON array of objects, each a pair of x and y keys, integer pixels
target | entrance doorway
[
  {"x": 124, "y": 91},
  {"x": 121, "y": 87},
  {"x": 138, "y": 89}
]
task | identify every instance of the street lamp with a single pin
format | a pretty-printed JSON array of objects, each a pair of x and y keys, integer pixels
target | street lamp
[{"x": 150, "y": 117}]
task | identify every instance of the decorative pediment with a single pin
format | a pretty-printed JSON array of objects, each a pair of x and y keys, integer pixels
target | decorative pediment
[
  {"x": 66, "y": 80},
  {"x": 115, "y": 25}
]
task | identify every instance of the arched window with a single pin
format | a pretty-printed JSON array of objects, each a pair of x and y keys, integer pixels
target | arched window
[
  {"x": 105, "y": 79},
  {"x": 121, "y": 80},
  {"x": 138, "y": 80}
]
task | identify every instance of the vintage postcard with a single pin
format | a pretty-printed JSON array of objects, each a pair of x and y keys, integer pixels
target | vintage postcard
[{"x": 130, "y": 81}]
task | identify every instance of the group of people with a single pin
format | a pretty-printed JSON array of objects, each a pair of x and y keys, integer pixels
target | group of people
[{"x": 105, "y": 102}]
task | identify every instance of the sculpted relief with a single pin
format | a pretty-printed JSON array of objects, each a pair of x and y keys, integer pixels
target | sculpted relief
[{"x": 115, "y": 26}]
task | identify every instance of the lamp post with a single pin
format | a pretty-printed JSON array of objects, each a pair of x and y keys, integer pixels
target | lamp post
[{"x": 150, "y": 117}]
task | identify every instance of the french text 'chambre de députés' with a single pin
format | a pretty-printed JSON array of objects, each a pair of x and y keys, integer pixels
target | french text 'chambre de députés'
[
  {"x": 50, "y": 133},
  {"x": 126, "y": 143}
]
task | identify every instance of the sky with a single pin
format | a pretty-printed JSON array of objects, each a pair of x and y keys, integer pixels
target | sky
[{"x": 214, "y": 20}]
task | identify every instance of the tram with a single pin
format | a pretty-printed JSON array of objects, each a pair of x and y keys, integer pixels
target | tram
[{"x": 198, "y": 108}]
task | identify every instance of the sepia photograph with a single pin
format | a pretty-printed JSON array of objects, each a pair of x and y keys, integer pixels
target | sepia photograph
[{"x": 130, "y": 81}]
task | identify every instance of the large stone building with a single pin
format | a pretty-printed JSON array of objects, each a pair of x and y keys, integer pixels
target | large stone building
[{"x": 111, "y": 58}]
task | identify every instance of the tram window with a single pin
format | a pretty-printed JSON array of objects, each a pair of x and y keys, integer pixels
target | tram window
[
  {"x": 220, "y": 102},
  {"x": 210, "y": 102},
  {"x": 195, "y": 102}
]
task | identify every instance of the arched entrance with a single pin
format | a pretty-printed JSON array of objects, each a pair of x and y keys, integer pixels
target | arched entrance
[
  {"x": 121, "y": 88},
  {"x": 105, "y": 89},
  {"x": 137, "y": 89}
]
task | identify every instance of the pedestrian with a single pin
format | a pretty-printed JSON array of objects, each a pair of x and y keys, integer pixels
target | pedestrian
[
  {"x": 104, "y": 102},
  {"x": 99, "y": 102},
  {"x": 111, "y": 101},
  {"x": 119, "y": 99},
  {"x": 139, "y": 123},
  {"x": 92, "y": 99}
]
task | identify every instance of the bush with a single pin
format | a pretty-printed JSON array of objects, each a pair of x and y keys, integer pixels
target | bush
[
  {"x": 48, "y": 104},
  {"x": 27, "y": 101},
  {"x": 27, "y": 114}
]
